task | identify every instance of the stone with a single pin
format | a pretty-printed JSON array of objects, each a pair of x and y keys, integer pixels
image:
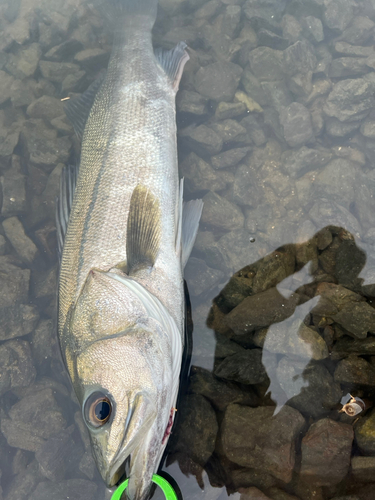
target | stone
[
  {"x": 368, "y": 128},
  {"x": 347, "y": 66},
  {"x": 221, "y": 213},
  {"x": 220, "y": 393},
  {"x": 253, "y": 87},
  {"x": 74, "y": 82},
  {"x": 197, "y": 429},
  {"x": 266, "y": 64},
  {"x": 22, "y": 244},
  {"x": 337, "y": 181},
  {"x": 229, "y": 158},
  {"x": 292, "y": 29},
  {"x": 17, "y": 369},
  {"x": 253, "y": 493},
  {"x": 357, "y": 318},
  {"x": 246, "y": 189},
  {"x": 74, "y": 489},
  {"x": 92, "y": 58},
  {"x": 202, "y": 139},
  {"x": 24, "y": 483},
  {"x": 279, "y": 494},
  {"x": 33, "y": 420},
  {"x": 298, "y": 162},
  {"x": 335, "y": 128},
  {"x": 201, "y": 278},
  {"x": 57, "y": 71},
  {"x": 326, "y": 450},
  {"x": 273, "y": 269},
  {"x": 44, "y": 346},
  {"x": 21, "y": 94},
  {"x": 363, "y": 469},
  {"x": 348, "y": 49},
  {"x": 351, "y": 99},
  {"x": 14, "y": 185},
  {"x": 25, "y": 62},
  {"x": 314, "y": 28},
  {"x": 269, "y": 38},
  {"x": 17, "y": 320},
  {"x": 299, "y": 58},
  {"x": 191, "y": 102},
  {"x": 297, "y": 125},
  {"x": 326, "y": 212},
  {"x": 208, "y": 10},
  {"x": 264, "y": 14},
  {"x": 218, "y": 81},
  {"x": 350, "y": 260},
  {"x": 64, "y": 50},
  {"x": 244, "y": 478},
  {"x": 337, "y": 14},
  {"x": 226, "y": 110},
  {"x": 5, "y": 84},
  {"x": 237, "y": 288},
  {"x": 354, "y": 371},
  {"x": 46, "y": 107},
  {"x": 256, "y": 438},
  {"x": 14, "y": 283},
  {"x": 230, "y": 131},
  {"x": 359, "y": 31},
  {"x": 278, "y": 94},
  {"x": 251, "y": 105},
  {"x": 199, "y": 175},
  {"x": 254, "y": 130},
  {"x": 261, "y": 310},
  {"x": 245, "y": 368}
]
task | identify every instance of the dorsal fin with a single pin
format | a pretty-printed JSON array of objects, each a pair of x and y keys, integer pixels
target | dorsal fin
[
  {"x": 78, "y": 110},
  {"x": 64, "y": 203},
  {"x": 143, "y": 230},
  {"x": 173, "y": 62}
]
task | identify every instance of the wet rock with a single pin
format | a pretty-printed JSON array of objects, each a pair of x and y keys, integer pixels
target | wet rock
[
  {"x": 363, "y": 468},
  {"x": 17, "y": 320},
  {"x": 347, "y": 66},
  {"x": 22, "y": 244},
  {"x": 253, "y": 493},
  {"x": 57, "y": 71},
  {"x": 251, "y": 105},
  {"x": 299, "y": 58},
  {"x": 75, "y": 82},
  {"x": 14, "y": 185},
  {"x": 359, "y": 31},
  {"x": 237, "y": 249},
  {"x": 269, "y": 38},
  {"x": 230, "y": 131},
  {"x": 201, "y": 278},
  {"x": 348, "y": 49},
  {"x": 314, "y": 28},
  {"x": 197, "y": 429},
  {"x": 330, "y": 466},
  {"x": 226, "y": 110},
  {"x": 92, "y": 58},
  {"x": 74, "y": 489},
  {"x": 254, "y": 130},
  {"x": 260, "y": 310},
  {"x": 191, "y": 102},
  {"x": 24, "y": 483},
  {"x": 266, "y": 64},
  {"x": 221, "y": 213},
  {"x": 264, "y": 14},
  {"x": 199, "y": 175},
  {"x": 297, "y": 125},
  {"x": 278, "y": 94},
  {"x": 274, "y": 268},
  {"x": 337, "y": 14},
  {"x": 33, "y": 420},
  {"x": 368, "y": 128},
  {"x": 202, "y": 139},
  {"x": 279, "y": 494},
  {"x": 351, "y": 99},
  {"x": 229, "y": 158},
  {"x": 5, "y": 84},
  {"x": 21, "y": 94},
  {"x": 17, "y": 369},
  {"x": 63, "y": 50},
  {"x": 320, "y": 393},
  {"x": 245, "y": 189},
  {"x": 244, "y": 367},
  {"x": 44, "y": 345},
  {"x": 354, "y": 371},
  {"x": 357, "y": 318},
  {"x": 46, "y": 107},
  {"x": 297, "y": 163},
  {"x": 24, "y": 63},
  {"x": 253, "y": 87},
  {"x": 337, "y": 181},
  {"x": 256, "y": 438},
  {"x": 244, "y": 478},
  {"x": 329, "y": 213},
  {"x": 237, "y": 288},
  {"x": 14, "y": 284},
  {"x": 218, "y": 81},
  {"x": 218, "y": 392},
  {"x": 292, "y": 29}
]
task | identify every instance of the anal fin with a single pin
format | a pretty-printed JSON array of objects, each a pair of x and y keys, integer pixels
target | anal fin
[{"x": 143, "y": 230}]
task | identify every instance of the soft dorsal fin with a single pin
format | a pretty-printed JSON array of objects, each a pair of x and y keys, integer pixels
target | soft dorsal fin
[
  {"x": 64, "y": 203},
  {"x": 78, "y": 110},
  {"x": 143, "y": 230},
  {"x": 173, "y": 62}
]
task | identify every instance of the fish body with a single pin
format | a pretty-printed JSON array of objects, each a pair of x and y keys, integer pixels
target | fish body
[{"x": 121, "y": 298}]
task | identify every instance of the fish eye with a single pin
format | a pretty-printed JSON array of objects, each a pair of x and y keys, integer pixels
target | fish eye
[{"x": 97, "y": 409}]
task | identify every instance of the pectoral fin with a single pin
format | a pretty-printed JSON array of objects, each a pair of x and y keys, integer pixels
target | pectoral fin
[
  {"x": 173, "y": 62},
  {"x": 143, "y": 230}
]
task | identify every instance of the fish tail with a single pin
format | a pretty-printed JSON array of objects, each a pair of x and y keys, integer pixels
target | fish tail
[{"x": 125, "y": 13}]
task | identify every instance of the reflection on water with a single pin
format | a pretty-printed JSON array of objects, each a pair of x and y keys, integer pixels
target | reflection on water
[{"x": 276, "y": 133}]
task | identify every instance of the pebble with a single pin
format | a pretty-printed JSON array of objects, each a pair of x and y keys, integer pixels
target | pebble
[
  {"x": 230, "y": 131},
  {"x": 299, "y": 58},
  {"x": 244, "y": 367}
]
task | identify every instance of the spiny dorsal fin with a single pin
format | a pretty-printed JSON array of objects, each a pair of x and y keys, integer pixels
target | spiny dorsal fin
[
  {"x": 78, "y": 110},
  {"x": 173, "y": 62},
  {"x": 143, "y": 230},
  {"x": 64, "y": 203}
]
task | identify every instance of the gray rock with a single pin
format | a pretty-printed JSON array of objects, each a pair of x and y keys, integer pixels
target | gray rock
[
  {"x": 5, "y": 84},
  {"x": 368, "y": 128},
  {"x": 226, "y": 110},
  {"x": 320, "y": 393},
  {"x": 364, "y": 434},
  {"x": 363, "y": 469},
  {"x": 64, "y": 50},
  {"x": 17, "y": 320},
  {"x": 191, "y": 102},
  {"x": 230, "y": 131},
  {"x": 44, "y": 345},
  {"x": 57, "y": 71},
  {"x": 25, "y": 62},
  {"x": 244, "y": 478},
  {"x": 21, "y": 94},
  {"x": 260, "y": 310},
  {"x": 277, "y": 93},
  {"x": 256, "y": 438},
  {"x": 74, "y": 489},
  {"x": 354, "y": 371},
  {"x": 337, "y": 14},
  {"x": 33, "y": 420},
  {"x": 253, "y": 493},
  {"x": 218, "y": 81},
  {"x": 23, "y": 484},
  {"x": 266, "y": 64},
  {"x": 326, "y": 450},
  {"x": 273, "y": 269},
  {"x": 299, "y": 58},
  {"x": 264, "y": 14},
  {"x": 22, "y": 244},
  {"x": 202, "y": 139},
  {"x": 329, "y": 213},
  {"x": 314, "y": 28},
  {"x": 254, "y": 130},
  {"x": 292, "y": 29},
  {"x": 218, "y": 392},
  {"x": 335, "y": 128},
  {"x": 351, "y": 99},
  {"x": 297, "y": 125},
  {"x": 199, "y": 175},
  {"x": 14, "y": 284},
  {"x": 245, "y": 368},
  {"x": 253, "y": 87},
  {"x": 201, "y": 278},
  {"x": 337, "y": 181},
  {"x": 246, "y": 189},
  {"x": 17, "y": 368},
  {"x": 229, "y": 158},
  {"x": 208, "y": 10},
  {"x": 347, "y": 66},
  {"x": 359, "y": 32},
  {"x": 221, "y": 213},
  {"x": 350, "y": 260},
  {"x": 346, "y": 346},
  {"x": 231, "y": 20},
  {"x": 357, "y": 317},
  {"x": 237, "y": 288},
  {"x": 269, "y": 38},
  {"x": 196, "y": 414},
  {"x": 92, "y": 58},
  {"x": 348, "y": 49},
  {"x": 14, "y": 185},
  {"x": 75, "y": 82},
  {"x": 46, "y": 107},
  {"x": 297, "y": 163}
]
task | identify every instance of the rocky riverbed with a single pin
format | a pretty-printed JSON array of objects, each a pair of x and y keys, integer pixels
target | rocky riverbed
[{"x": 276, "y": 131}]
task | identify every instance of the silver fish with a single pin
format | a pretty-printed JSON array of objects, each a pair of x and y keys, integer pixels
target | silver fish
[{"x": 125, "y": 236}]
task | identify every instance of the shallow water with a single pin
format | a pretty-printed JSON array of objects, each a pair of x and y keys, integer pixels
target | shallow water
[{"x": 276, "y": 132}]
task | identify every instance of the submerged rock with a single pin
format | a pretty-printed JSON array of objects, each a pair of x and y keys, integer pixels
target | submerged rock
[
  {"x": 221, "y": 213},
  {"x": 245, "y": 368},
  {"x": 16, "y": 366},
  {"x": 218, "y": 81}
]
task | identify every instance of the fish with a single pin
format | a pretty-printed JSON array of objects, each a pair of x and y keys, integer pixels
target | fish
[{"x": 124, "y": 237}]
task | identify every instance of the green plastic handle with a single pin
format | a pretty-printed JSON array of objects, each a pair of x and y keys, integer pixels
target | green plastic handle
[{"x": 167, "y": 489}]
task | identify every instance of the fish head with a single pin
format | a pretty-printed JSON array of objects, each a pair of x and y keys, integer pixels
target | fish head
[{"x": 123, "y": 380}]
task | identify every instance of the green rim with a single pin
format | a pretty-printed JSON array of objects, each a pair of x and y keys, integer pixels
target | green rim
[{"x": 167, "y": 489}]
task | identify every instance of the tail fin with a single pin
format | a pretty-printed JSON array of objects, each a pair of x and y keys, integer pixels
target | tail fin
[{"x": 129, "y": 12}]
